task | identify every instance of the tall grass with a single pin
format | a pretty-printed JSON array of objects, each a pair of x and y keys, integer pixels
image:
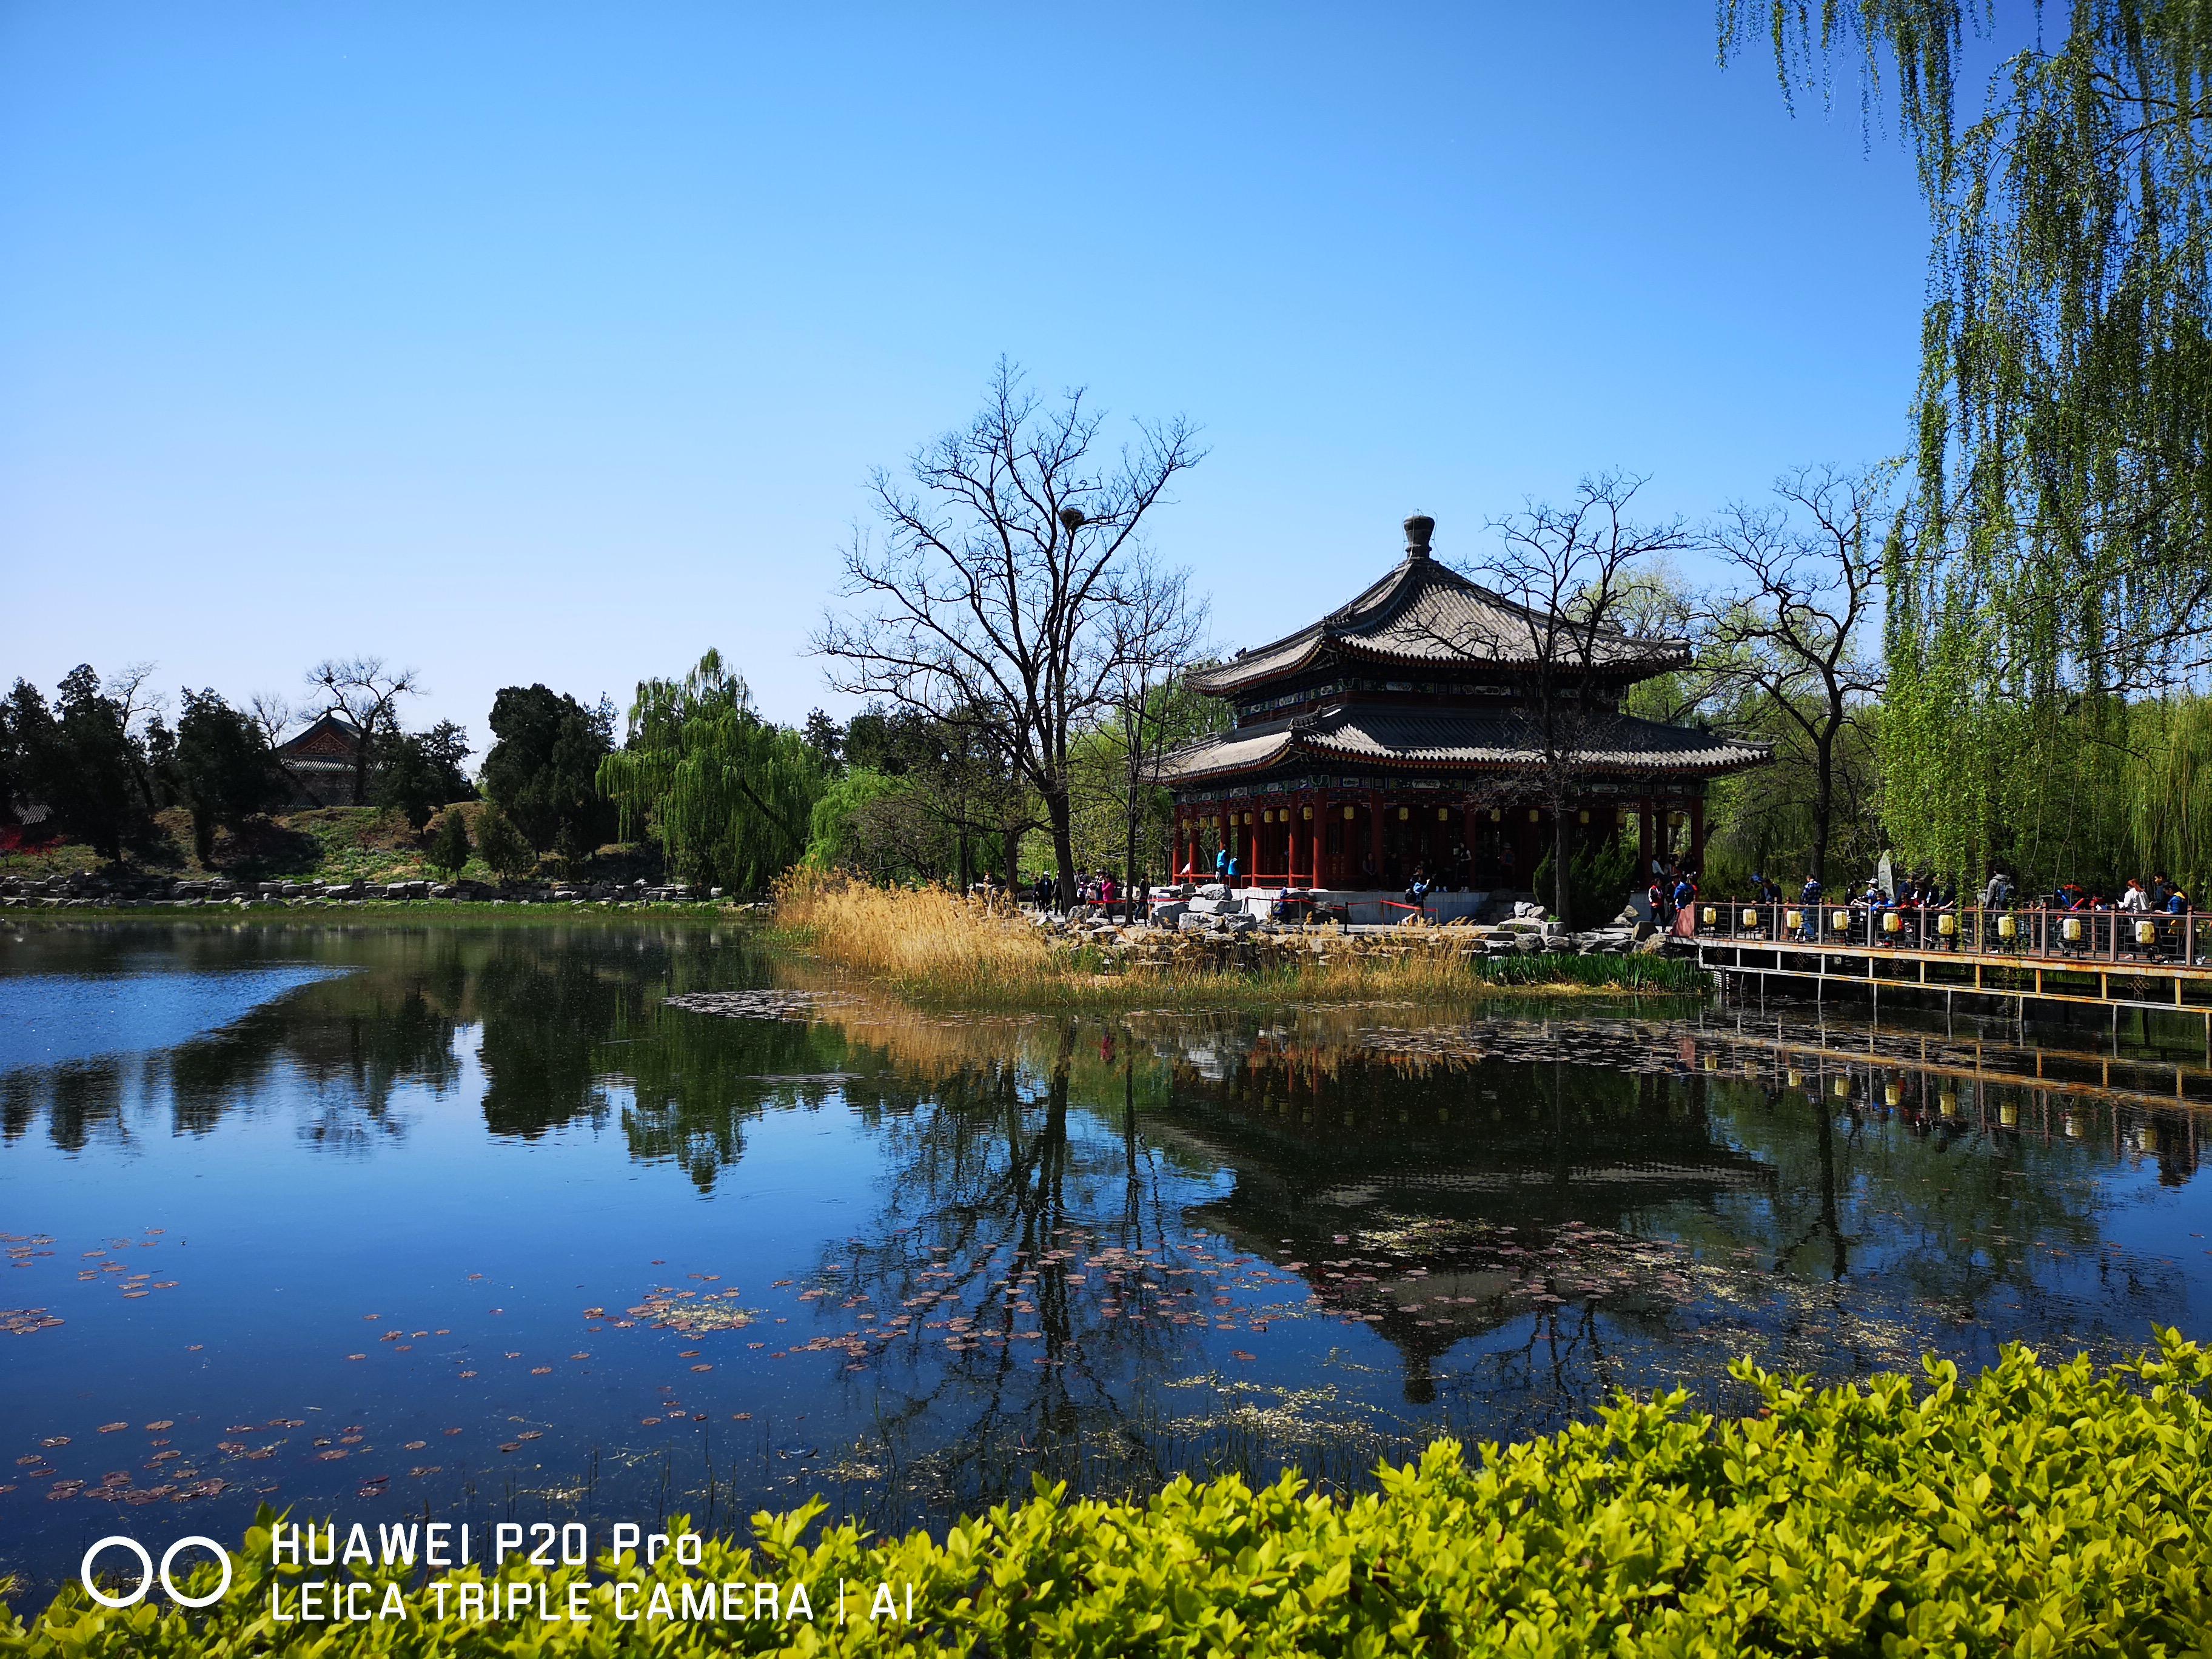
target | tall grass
[{"x": 939, "y": 947}]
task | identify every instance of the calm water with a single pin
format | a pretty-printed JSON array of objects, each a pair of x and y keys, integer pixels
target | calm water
[{"x": 371, "y": 1220}]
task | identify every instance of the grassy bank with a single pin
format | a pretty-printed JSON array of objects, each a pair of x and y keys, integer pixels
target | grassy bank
[
  {"x": 2035, "y": 1511},
  {"x": 936, "y": 946}
]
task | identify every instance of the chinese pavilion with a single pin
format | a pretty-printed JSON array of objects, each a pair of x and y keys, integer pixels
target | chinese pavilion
[{"x": 1394, "y": 734}]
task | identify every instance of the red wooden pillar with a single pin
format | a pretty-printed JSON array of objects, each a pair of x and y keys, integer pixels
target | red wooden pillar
[
  {"x": 1374, "y": 835},
  {"x": 1697, "y": 835}
]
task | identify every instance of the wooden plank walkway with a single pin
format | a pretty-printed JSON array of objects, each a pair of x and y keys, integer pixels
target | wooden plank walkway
[{"x": 2107, "y": 969}]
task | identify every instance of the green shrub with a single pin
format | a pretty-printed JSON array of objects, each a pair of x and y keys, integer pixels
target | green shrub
[{"x": 2034, "y": 1511}]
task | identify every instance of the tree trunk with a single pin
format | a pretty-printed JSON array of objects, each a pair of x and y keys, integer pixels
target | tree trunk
[
  {"x": 1057, "y": 809},
  {"x": 1823, "y": 801},
  {"x": 1559, "y": 867}
]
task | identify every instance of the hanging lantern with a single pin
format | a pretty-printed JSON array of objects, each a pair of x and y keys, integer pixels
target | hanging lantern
[
  {"x": 1750, "y": 917},
  {"x": 2146, "y": 932},
  {"x": 2072, "y": 930},
  {"x": 1892, "y": 1096},
  {"x": 1841, "y": 1088},
  {"x": 1348, "y": 813},
  {"x": 2009, "y": 1116},
  {"x": 1535, "y": 816},
  {"x": 1711, "y": 916},
  {"x": 1582, "y": 817},
  {"x": 1306, "y": 811},
  {"x": 1947, "y": 925},
  {"x": 2007, "y": 926},
  {"x": 1839, "y": 921},
  {"x": 1248, "y": 818},
  {"x": 1796, "y": 1079},
  {"x": 1891, "y": 922},
  {"x": 1793, "y": 920},
  {"x": 1267, "y": 816},
  {"x": 1403, "y": 814},
  {"x": 1495, "y": 815},
  {"x": 1947, "y": 1103},
  {"x": 1713, "y": 1062},
  {"x": 1443, "y": 814}
]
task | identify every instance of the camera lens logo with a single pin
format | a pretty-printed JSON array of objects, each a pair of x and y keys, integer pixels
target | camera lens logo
[{"x": 146, "y": 1573}]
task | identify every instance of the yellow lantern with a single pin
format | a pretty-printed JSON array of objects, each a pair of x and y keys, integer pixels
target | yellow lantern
[
  {"x": 1444, "y": 814},
  {"x": 1248, "y": 818},
  {"x": 1348, "y": 813},
  {"x": 1582, "y": 817},
  {"x": 1495, "y": 815},
  {"x": 1713, "y": 1062},
  {"x": 1402, "y": 815},
  {"x": 1947, "y": 1103},
  {"x": 2147, "y": 1138},
  {"x": 1891, "y": 1094},
  {"x": 2009, "y": 1116},
  {"x": 1750, "y": 917},
  {"x": 2146, "y": 932},
  {"x": 1947, "y": 924},
  {"x": 1535, "y": 816},
  {"x": 2007, "y": 926},
  {"x": 1839, "y": 921},
  {"x": 1711, "y": 916},
  {"x": 1793, "y": 920},
  {"x": 1796, "y": 1079},
  {"x": 2072, "y": 929},
  {"x": 1891, "y": 922},
  {"x": 1306, "y": 812},
  {"x": 1841, "y": 1088},
  {"x": 1267, "y": 816}
]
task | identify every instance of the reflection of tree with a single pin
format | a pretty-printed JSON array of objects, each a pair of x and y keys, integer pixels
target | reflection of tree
[
  {"x": 696, "y": 1079},
  {"x": 1027, "y": 1296}
]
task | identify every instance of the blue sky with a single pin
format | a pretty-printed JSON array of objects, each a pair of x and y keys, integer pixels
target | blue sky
[{"x": 556, "y": 342}]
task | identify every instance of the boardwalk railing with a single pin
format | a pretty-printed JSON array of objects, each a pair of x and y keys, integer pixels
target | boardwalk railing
[{"x": 2014, "y": 935}]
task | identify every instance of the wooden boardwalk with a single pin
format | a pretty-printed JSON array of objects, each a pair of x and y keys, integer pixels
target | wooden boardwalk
[{"x": 2105, "y": 960}]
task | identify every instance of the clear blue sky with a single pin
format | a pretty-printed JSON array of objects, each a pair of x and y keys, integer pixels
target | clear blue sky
[{"x": 555, "y": 342}]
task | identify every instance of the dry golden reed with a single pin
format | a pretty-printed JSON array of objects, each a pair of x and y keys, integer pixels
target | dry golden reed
[{"x": 933, "y": 944}]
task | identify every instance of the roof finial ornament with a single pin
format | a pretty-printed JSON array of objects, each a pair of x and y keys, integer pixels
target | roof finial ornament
[{"x": 1418, "y": 529}]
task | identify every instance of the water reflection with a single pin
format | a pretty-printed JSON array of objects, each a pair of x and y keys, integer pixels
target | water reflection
[{"x": 912, "y": 1261}]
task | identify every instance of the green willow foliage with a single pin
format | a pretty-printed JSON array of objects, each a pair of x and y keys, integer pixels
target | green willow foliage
[
  {"x": 2034, "y": 1512},
  {"x": 727, "y": 794},
  {"x": 2057, "y": 561}
]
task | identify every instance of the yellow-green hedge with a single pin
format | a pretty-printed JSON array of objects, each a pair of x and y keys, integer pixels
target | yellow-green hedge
[{"x": 2036, "y": 1511}]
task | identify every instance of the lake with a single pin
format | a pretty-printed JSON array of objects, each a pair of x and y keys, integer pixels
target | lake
[{"x": 373, "y": 1220}]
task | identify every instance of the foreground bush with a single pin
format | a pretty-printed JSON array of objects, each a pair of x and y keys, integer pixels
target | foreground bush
[{"x": 2035, "y": 1511}]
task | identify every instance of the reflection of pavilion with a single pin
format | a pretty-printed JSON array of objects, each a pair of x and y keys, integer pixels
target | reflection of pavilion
[{"x": 1462, "y": 1207}]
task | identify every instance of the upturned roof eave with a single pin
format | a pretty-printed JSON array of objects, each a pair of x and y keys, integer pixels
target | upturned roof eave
[{"x": 1750, "y": 755}]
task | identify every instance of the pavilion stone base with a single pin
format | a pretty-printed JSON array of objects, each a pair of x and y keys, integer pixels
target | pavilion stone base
[{"x": 1370, "y": 907}]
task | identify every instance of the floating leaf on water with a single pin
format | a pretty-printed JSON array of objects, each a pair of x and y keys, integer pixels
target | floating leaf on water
[
  {"x": 164, "y": 1422},
  {"x": 356, "y": 1356},
  {"x": 510, "y": 1445},
  {"x": 703, "y": 1368},
  {"x": 113, "y": 1428},
  {"x": 541, "y": 1370}
]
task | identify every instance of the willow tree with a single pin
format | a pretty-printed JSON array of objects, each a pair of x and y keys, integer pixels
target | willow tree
[
  {"x": 727, "y": 794},
  {"x": 2065, "y": 402}
]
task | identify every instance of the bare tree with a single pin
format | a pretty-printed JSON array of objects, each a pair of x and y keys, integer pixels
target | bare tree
[
  {"x": 141, "y": 710},
  {"x": 271, "y": 716},
  {"x": 1570, "y": 575},
  {"x": 1158, "y": 634},
  {"x": 1003, "y": 563},
  {"x": 367, "y": 695},
  {"x": 1789, "y": 630}
]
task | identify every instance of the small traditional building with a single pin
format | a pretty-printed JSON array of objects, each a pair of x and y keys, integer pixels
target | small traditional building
[
  {"x": 1395, "y": 733},
  {"x": 320, "y": 761}
]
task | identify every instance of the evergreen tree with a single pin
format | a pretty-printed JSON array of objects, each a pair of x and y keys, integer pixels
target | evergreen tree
[
  {"x": 504, "y": 847},
  {"x": 449, "y": 844},
  {"x": 542, "y": 767},
  {"x": 224, "y": 769}
]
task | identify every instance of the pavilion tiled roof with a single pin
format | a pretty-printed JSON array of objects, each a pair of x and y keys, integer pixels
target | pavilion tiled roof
[
  {"x": 1424, "y": 614},
  {"x": 1456, "y": 740}
]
